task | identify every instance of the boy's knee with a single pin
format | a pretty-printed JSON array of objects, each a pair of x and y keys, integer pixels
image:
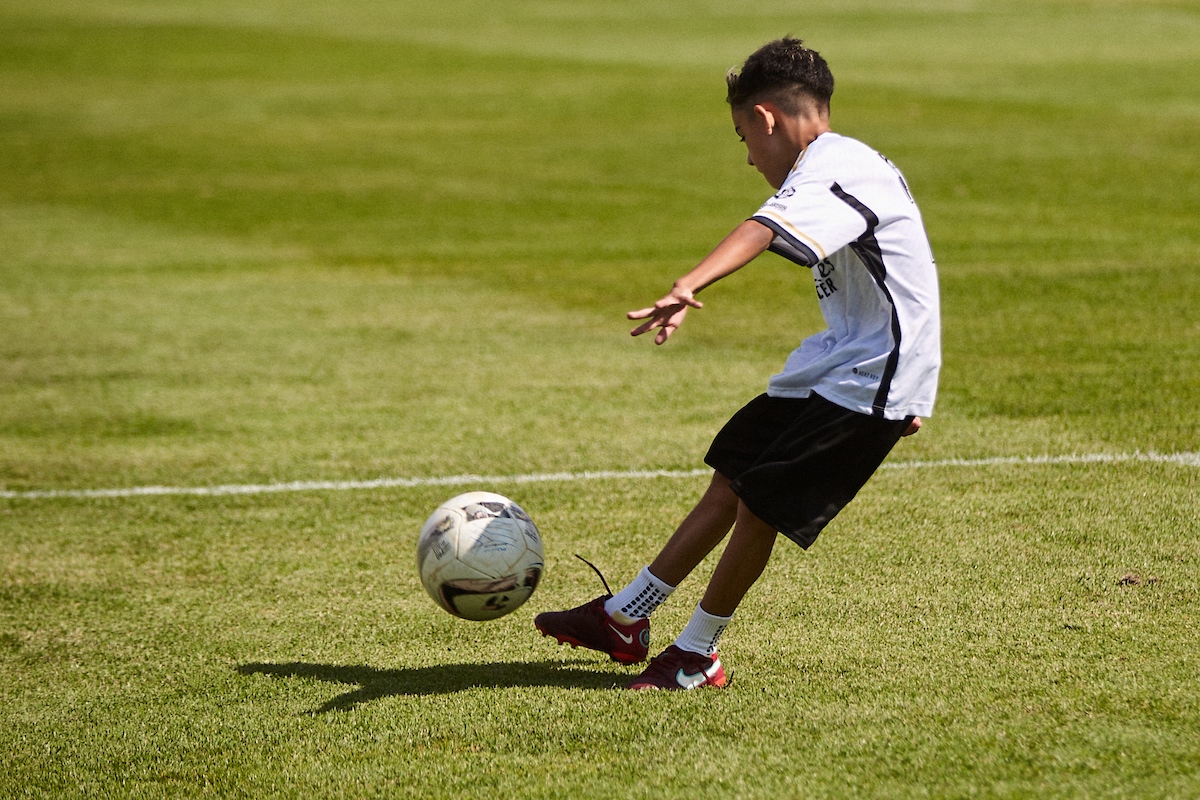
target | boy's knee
[
  {"x": 753, "y": 524},
  {"x": 720, "y": 486}
]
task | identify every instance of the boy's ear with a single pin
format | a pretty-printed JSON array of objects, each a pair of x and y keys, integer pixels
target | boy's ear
[{"x": 768, "y": 114}]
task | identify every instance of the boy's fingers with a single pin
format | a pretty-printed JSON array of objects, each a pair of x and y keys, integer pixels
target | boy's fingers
[
  {"x": 666, "y": 317},
  {"x": 645, "y": 326},
  {"x": 663, "y": 321},
  {"x": 665, "y": 306},
  {"x": 662, "y": 307},
  {"x": 665, "y": 332}
]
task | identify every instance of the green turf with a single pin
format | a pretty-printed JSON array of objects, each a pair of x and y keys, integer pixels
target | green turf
[{"x": 288, "y": 240}]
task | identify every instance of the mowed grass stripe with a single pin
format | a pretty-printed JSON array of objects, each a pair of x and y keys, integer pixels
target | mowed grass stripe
[{"x": 1185, "y": 459}]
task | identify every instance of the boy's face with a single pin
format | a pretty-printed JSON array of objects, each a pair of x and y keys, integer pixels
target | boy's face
[{"x": 768, "y": 148}]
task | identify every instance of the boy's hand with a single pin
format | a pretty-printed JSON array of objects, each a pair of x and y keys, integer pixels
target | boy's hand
[
  {"x": 913, "y": 427},
  {"x": 666, "y": 315},
  {"x": 739, "y": 248}
]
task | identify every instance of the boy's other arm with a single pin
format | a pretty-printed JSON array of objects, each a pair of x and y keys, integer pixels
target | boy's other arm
[{"x": 745, "y": 243}]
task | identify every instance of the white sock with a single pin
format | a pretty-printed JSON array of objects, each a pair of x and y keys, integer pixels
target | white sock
[
  {"x": 637, "y": 600},
  {"x": 702, "y": 632}
]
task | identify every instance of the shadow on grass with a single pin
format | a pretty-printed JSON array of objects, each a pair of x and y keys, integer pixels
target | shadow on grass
[{"x": 443, "y": 679}]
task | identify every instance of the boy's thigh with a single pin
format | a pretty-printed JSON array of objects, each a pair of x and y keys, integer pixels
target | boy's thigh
[
  {"x": 796, "y": 463},
  {"x": 752, "y": 431}
]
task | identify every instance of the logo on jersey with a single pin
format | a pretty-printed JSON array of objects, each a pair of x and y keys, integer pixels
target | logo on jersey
[
  {"x": 823, "y": 279},
  {"x": 866, "y": 374}
]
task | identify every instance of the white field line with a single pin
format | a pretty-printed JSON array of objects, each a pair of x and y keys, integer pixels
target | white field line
[{"x": 1185, "y": 459}]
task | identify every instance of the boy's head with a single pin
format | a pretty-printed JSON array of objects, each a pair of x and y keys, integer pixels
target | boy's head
[
  {"x": 783, "y": 72},
  {"x": 780, "y": 104}
]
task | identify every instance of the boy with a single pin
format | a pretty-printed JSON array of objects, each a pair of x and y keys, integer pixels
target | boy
[{"x": 793, "y": 457}]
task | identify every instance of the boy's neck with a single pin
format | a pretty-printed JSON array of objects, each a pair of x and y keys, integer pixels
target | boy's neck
[{"x": 803, "y": 130}]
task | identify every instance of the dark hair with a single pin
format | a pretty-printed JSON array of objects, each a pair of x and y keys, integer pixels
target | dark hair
[{"x": 785, "y": 72}]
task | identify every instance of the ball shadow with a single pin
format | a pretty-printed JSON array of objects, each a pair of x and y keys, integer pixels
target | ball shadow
[{"x": 373, "y": 683}]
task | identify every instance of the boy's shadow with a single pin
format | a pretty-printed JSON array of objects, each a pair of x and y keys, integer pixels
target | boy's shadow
[{"x": 443, "y": 679}]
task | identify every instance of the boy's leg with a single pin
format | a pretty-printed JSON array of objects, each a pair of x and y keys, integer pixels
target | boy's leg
[
  {"x": 741, "y": 564},
  {"x": 618, "y": 625},
  {"x": 692, "y": 661},
  {"x": 696, "y": 536},
  {"x": 699, "y": 532}
]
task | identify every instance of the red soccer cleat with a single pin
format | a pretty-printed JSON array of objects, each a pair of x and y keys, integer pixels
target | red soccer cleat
[
  {"x": 590, "y": 626},
  {"x": 680, "y": 669}
]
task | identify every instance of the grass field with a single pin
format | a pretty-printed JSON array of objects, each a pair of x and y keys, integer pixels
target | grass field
[{"x": 245, "y": 244}]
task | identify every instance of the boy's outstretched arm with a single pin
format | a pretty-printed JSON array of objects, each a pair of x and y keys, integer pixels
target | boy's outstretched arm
[{"x": 746, "y": 242}]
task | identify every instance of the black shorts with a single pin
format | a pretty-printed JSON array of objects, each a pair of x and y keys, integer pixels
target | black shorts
[{"x": 796, "y": 463}]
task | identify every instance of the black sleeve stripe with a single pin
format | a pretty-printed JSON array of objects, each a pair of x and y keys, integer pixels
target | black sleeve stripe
[
  {"x": 868, "y": 251},
  {"x": 788, "y": 246}
]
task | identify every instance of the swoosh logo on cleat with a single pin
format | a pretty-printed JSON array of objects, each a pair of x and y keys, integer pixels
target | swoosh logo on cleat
[
  {"x": 627, "y": 639},
  {"x": 689, "y": 681},
  {"x": 692, "y": 681}
]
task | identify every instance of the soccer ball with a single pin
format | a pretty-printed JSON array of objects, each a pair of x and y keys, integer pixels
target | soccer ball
[{"x": 480, "y": 556}]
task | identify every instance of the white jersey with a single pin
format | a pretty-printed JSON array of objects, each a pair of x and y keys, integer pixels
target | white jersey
[{"x": 845, "y": 211}]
